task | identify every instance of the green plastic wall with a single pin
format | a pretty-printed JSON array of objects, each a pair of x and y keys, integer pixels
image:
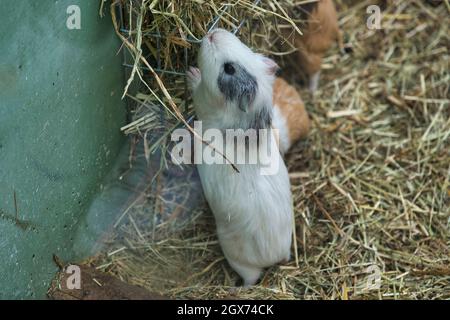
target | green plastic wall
[{"x": 60, "y": 114}]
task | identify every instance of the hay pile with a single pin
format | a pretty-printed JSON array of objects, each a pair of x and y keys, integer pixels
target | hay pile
[
  {"x": 162, "y": 37},
  {"x": 371, "y": 183}
]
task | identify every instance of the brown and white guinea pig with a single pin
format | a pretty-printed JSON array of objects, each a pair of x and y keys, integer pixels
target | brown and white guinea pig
[
  {"x": 290, "y": 116},
  {"x": 233, "y": 89},
  {"x": 320, "y": 32}
]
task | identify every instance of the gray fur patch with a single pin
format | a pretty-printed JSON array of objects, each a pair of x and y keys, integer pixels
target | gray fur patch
[
  {"x": 240, "y": 87},
  {"x": 263, "y": 119}
]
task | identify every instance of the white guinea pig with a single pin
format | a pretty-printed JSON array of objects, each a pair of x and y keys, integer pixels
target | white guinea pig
[{"x": 232, "y": 89}]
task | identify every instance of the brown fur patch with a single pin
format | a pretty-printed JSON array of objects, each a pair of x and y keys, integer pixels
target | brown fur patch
[
  {"x": 291, "y": 105},
  {"x": 303, "y": 11},
  {"x": 319, "y": 34}
]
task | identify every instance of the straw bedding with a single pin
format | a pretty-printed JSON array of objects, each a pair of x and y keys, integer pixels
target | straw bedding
[{"x": 371, "y": 183}]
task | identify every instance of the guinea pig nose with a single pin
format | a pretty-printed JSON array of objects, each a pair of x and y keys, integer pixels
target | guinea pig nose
[{"x": 211, "y": 36}]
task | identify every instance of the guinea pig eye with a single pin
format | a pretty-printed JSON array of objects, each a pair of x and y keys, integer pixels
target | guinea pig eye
[{"x": 229, "y": 69}]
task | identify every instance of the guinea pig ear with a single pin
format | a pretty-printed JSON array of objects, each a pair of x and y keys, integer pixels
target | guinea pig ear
[{"x": 271, "y": 66}]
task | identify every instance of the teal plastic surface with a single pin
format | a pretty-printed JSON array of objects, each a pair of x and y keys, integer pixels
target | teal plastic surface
[{"x": 60, "y": 114}]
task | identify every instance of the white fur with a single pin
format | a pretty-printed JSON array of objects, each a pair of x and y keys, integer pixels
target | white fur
[
  {"x": 280, "y": 123},
  {"x": 253, "y": 212}
]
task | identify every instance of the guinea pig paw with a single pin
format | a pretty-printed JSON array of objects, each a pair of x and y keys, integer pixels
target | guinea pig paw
[{"x": 194, "y": 77}]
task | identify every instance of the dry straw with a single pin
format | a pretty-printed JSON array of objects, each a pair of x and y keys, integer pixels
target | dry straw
[{"x": 371, "y": 184}]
